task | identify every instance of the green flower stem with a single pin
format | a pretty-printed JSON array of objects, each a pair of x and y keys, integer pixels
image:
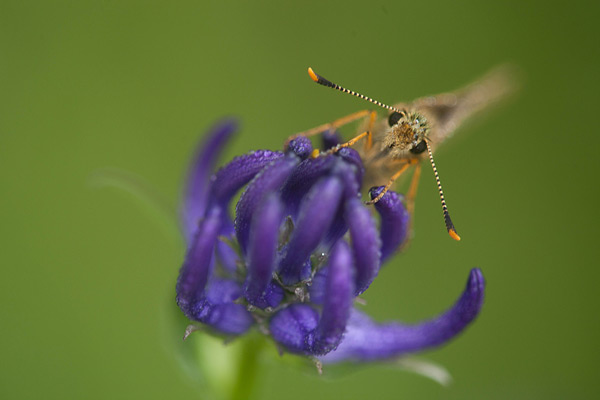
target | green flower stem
[
  {"x": 225, "y": 371},
  {"x": 247, "y": 368}
]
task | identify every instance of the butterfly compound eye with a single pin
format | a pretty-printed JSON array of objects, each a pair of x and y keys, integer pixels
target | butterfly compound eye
[
  {"x": 394, "y": 118},
  {"x": 419, "y": 148}
]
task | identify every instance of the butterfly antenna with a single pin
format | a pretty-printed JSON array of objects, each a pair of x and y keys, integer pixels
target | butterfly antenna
[
  {"x": 322, "y": 81},
  {"x": 447, "y": 219}
]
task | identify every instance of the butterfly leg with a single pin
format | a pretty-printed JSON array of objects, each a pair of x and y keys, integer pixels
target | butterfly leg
[
  {"x": 331, "y": 125},
  {"x": 412, "y": 190},
  {"x": 366, "y": 134},
  {"x": 405, "y": 164},
  {"x": 410, "y": 202},
  {"x": 369, "y": 141}
]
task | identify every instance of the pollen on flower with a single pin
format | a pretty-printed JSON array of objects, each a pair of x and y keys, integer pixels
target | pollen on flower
[{"x": 300, "y": 248}]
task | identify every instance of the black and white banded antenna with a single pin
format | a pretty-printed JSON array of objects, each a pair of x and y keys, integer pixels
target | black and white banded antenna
[
  {"x": 322, "y": 81},
  {"x": 449, "y": 225}
]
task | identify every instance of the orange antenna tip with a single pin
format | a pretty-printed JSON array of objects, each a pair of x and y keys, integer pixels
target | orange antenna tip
[
  {"x": 454, "y": 235},
  {"x": 312, "y": 74}
]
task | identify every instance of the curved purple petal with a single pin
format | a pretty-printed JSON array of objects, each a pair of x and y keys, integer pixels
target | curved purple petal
[
  {"x": 227, "y": 257},
  {"x": 298, "y": 327},
  {"x": 337, "y": 300},
  {"x": 217, "y": 309},
  {"x": 195, "y": 270},
  {"x": 394, "y": 221},
  {"x": 318, "y": 286},
  {"x": 262, "y": 253},
  {"x": 229, "y": 179},
  {"x": 337, "y": 229},
  {"x": 316, "y": 214},
  {"x": 366, "y": 340},
  {"x": 365, "y": 244},
  {"x": 268, "y": 180},
  {"x": 330, "y": 138},
  {"x": 300, "y": 146},
  {"x": 346, "y": 172},
  {"x": 197, "y": 183},
  {"x": 294, "y": 327},
  {"x": 269, "y": 298},
  {"x": 302, "y": 178},
  {"x": 351, "y": 156}
]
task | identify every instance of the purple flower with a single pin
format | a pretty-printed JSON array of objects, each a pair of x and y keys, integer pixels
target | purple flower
[{"x": 301, "y": 247}]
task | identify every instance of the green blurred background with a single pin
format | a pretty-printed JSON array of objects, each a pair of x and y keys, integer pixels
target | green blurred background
[{"x": 88, "y": 273}]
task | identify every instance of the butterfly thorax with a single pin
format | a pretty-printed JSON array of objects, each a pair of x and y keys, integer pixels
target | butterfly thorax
[{"x": 407, "y": 133}]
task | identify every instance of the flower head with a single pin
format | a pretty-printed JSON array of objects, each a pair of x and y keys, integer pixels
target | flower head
[{"x": 301, "y": 247}]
